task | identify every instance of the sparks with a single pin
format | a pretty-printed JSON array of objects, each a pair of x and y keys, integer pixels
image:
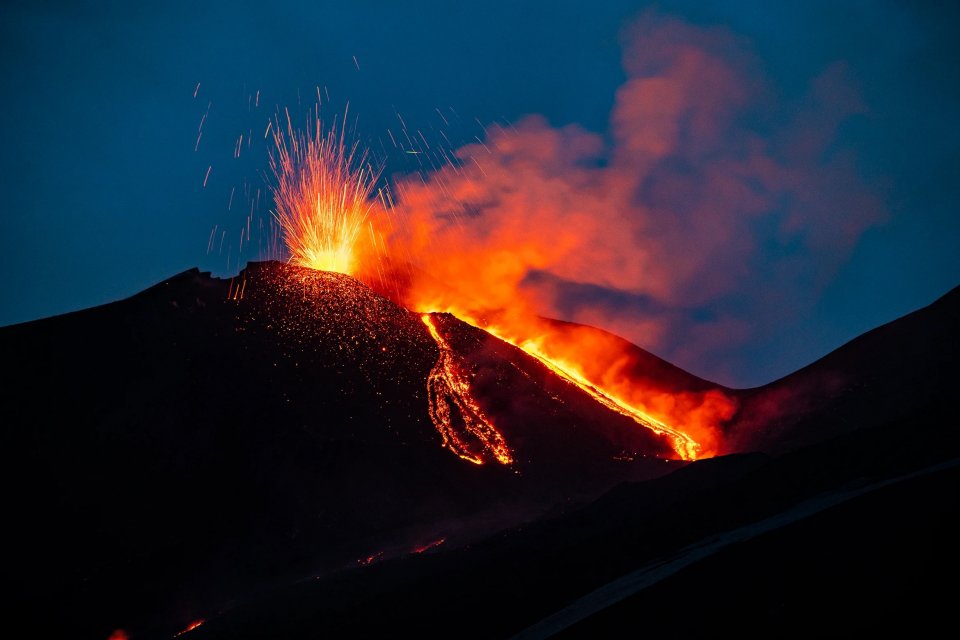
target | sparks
[{"x": 322, "y": 195}]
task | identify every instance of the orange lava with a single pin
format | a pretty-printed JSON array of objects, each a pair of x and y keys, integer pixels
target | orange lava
[
  {"x": 685, "y": 446},
  {"x": 464, "y": 427},
  {"x": 366, "y": 562},
  {"x": 190, "y": 627},
  {"x": 430, "y": 545},
  {"x": 594, "y": 362}
]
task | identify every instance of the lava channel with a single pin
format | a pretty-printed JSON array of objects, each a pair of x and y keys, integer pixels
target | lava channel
[
  {"x": 463, "y": 426},
  {"x": 686, "y": 447}
]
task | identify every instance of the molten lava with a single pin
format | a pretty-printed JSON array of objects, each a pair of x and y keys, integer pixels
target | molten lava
[
  {"x": 572, "y": 372},
  {"x": 190, "y": 627},
  {"x": 685, "y": 446},
  {"x": 322, "y": 196},
  {"x": 433, "y": 544},
  {"x": 369, "y": 560},
  {"x": 462, "y": 424}
]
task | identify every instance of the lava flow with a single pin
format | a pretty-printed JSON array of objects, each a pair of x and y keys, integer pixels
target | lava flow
[
  {"x": 190, "y": 627},
  {"x": 685, "y": 446},
  {"x": 451, "y": 403}
]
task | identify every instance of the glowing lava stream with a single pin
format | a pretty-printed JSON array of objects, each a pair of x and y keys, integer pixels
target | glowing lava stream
[
  {"x": 447, "y": 386},
  {"x": 685, "y": 446}
]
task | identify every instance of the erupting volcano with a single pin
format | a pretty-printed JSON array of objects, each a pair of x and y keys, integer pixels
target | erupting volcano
[
  {"x": 323, "y": 187},
  {"x": 297, "y": 432},
  {"x": 418, "y": 385}
]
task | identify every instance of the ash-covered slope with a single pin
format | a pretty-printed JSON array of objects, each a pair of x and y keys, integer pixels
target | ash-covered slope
[
  {"x": 901, "y": 369},
  {"x": 854, "y": 532},
  {"x": 172, "y": 452}
]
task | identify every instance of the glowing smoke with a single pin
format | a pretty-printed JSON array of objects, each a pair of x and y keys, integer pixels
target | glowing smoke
[{"x": 703, "y": 216}]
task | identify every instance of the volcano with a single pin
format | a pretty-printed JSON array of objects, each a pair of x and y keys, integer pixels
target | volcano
[
  {"x": 212, "y": 437},
  {"x": 288, "y": 452}
]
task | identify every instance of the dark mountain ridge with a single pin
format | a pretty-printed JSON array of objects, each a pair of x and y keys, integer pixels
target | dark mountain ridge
[
  {"x": 173, "y": 455},
  {"x": 207, "y": 437}
]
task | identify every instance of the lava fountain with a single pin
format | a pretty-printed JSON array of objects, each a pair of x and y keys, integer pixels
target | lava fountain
[{"x": 322, "y": 194}]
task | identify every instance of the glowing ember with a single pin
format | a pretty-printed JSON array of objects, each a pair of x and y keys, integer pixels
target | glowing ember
[
  {"x": 190, "y": 627},
  {"x": 322, "y": 196},
  {"x": 430, "y": 545},
  {"x": 119, "y": 634},
  {"x": 366, "y": 562},
  {"x": 451, "y": 406}
]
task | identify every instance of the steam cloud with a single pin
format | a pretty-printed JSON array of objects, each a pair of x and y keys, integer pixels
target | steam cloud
[{"x": 706, "y": 214}]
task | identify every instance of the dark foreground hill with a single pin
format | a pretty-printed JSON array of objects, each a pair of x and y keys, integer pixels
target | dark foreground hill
[
  {"x": 847, "y": 526},
  {"x": 208, "y": 438},
  {"x": 892, "y": 372},
  {"x": 259, "y": 453}
]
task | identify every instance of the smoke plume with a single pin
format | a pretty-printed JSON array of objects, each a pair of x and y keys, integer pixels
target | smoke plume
[{"x": 708, "y": 211}]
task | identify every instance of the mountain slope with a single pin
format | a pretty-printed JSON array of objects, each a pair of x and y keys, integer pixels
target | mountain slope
[
  {"x": 207, "y": 438},
  {"x": 891, "y": 372}
]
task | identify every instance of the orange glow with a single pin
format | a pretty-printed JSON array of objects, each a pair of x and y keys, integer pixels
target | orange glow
[
  {"x": 568, "y": 352},
  {"x": 119, "y": 634},
  {"x": 685, "y": 446},
  {"x": 462, "y": 424},
  {"x": 430, "y": 545},
  {"x": 495, "y": 237},
  {"x": 322, "y": 195},
  {"x": 369, "y": 560},
  {"x": 190, "y": 627}
]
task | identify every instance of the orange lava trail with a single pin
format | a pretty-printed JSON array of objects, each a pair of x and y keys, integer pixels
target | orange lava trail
[
  {"x": 448, "y": 389},
  {"x": 685, "y": 446},
  {"x": 369, "y": 560},
  {"x": 430, "y": 545},
  {"x": 193, "y": 625}
]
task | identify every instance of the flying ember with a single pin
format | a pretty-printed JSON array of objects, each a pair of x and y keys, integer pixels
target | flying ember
[{"x": 322, "y": 189}]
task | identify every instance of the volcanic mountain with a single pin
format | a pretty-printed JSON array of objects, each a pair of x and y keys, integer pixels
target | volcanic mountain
[
  {"x": 848, "y": 524},
  {"x": 208, "y": 438},
  {"x": 287, "y": 453}
]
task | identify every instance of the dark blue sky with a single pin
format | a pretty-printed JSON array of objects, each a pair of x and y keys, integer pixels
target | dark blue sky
[{"x": 102, "y": 187}]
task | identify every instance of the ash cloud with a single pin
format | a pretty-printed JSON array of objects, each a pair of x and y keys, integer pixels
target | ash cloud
[{"x": 709, "y": 213}]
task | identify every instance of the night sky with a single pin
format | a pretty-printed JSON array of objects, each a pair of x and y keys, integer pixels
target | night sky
[{"x": 103, "y": 191}]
